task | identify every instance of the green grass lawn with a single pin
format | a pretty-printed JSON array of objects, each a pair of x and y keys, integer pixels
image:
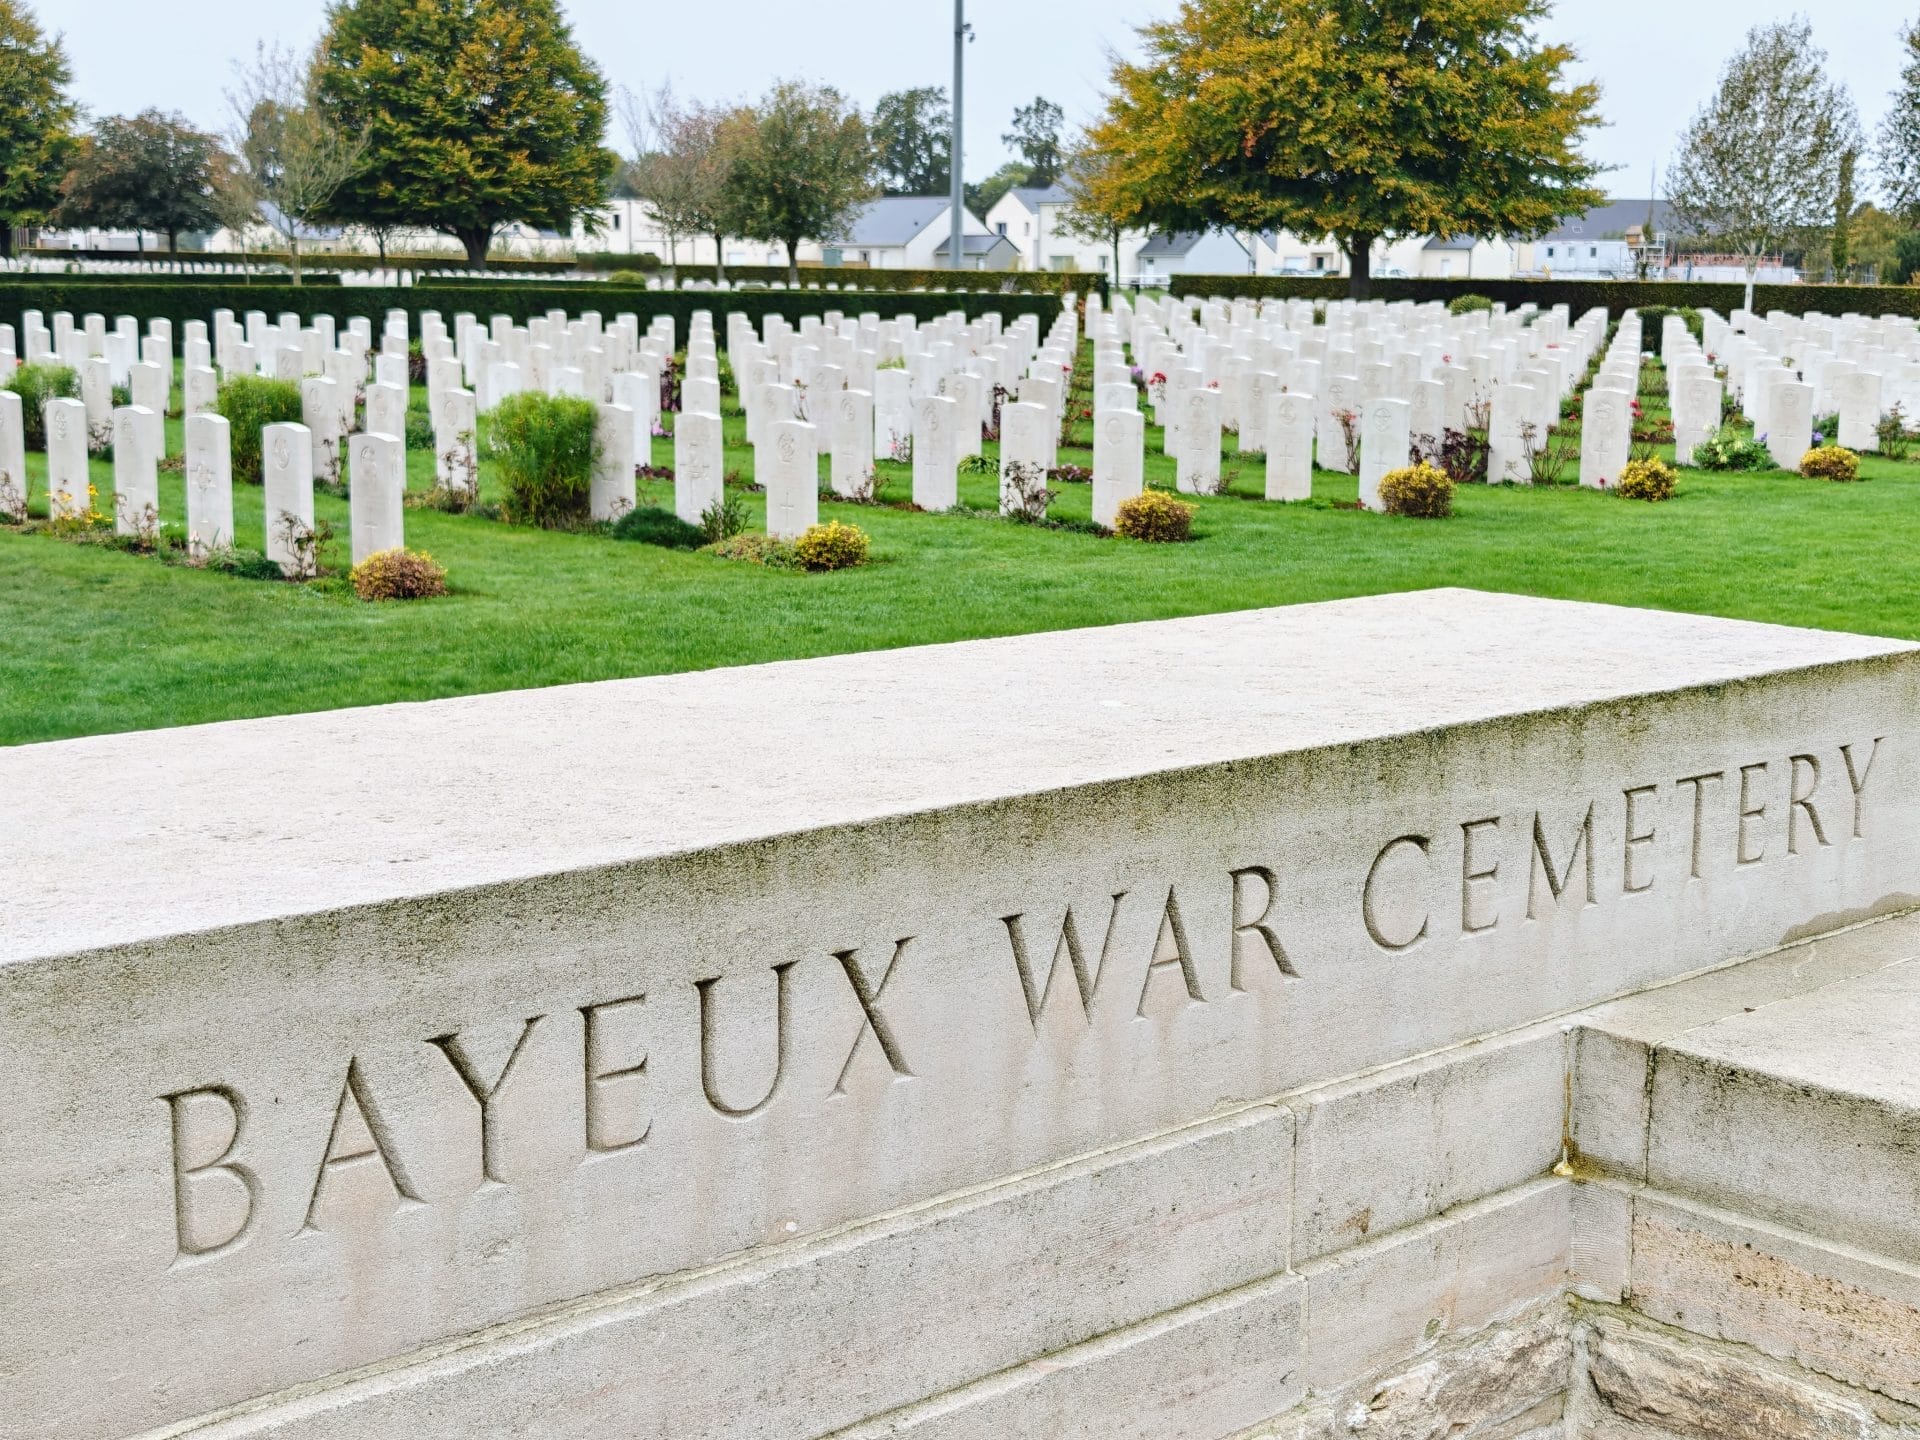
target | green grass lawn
[{"x": 93, "y": 640}]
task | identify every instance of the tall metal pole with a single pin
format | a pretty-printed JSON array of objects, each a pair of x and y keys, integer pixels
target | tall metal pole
[{"x": 955, "y": 255}]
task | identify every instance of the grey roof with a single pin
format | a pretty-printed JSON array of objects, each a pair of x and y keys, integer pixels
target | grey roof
[
  {"x": 1034, "y": 196},
  {"x": 976, "y": 245},
  {"x": 893, "y": 220},
  {"x": 1450, "y": 242},
  {"x": 1612, "y": 220},
  {"x": 1179, "y": 244}
]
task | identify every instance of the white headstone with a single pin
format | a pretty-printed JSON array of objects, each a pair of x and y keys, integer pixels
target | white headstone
[
  {"x": 613, "y": 490},
  {"x": 151, "y": 388},
  {"x": 1509, "y": 452},
  {"x": 67, "y": 496},
  {"x": 1198, "y": 453},
  {"x": 286, "y": 465},
  {"x": 852, "y": 448},
  {"x": 387, "y": 411},
  {"x": 1789, "y": 423},
  {"x": 1119, "y": 461},
  {"x": 1606, "y": 437},
  {"x": 1291, "y": 417},
  {"x": 456, "y": 460},
  {"x": 788, "y": 468},
  {"x": 1023, "y": 444},
  {"x": 209, "y": 484},
  {"x": 1384, "y": 445},
  {"x": 13, "y": 456},
  {"x": 1696, "y": 412},
  {"x": 376, "y": 508},
  {"x": 699, "y": 473},
  {"x": 136, "y": 477},
  {"x": 936, "y": 483}
]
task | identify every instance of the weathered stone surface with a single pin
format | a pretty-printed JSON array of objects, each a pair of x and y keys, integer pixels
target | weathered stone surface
[
  {"x": 1379, "y": 1304},
  {"x": 1393, "y": 1148},
  {"x": 1127, "y": 1236},
  {"x": 1501, "y": 1383},
  {"x": 1679, "y": 1389},
  {"x": 515, "y": 1050},
  {"x": 1827, "y": 1308}
]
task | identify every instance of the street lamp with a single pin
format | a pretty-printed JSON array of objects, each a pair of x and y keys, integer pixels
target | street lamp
[{"x": 962, "y": 33}]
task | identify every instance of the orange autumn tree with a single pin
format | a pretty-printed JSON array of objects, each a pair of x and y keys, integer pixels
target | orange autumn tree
[{"x": 1361, "y": 119}]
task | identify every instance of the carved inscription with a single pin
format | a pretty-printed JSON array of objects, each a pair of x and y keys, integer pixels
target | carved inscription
[
  {"x": 1171, "y": 957},
  {"x": 1656, "y": 834}
]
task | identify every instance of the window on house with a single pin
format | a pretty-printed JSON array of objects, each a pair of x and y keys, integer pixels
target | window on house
[
  {"x": 1002, "y": 227},
  {"x": 1593, "y": 252},
  {"x": 616, "y": 219},
  {"x": 1028, "y": 227},
  {"x": 1549, "y": 252}
]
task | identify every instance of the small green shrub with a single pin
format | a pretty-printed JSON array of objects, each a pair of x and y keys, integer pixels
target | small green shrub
[
  {"x": 1730, "y": 450},
  {"x": 398, "y": 574},
  {"x": 244, "y": 564},
  {"x": 1831, "y": 462},
  {"x": 651, "y": 525},
  {"x": 832, "y": 546},
  {"x": 723, "y": 519},
  {"x": 250, "y": 403},
  {"x": 35, "y": 385},
  {"x": 1155, "y": 517},
  {"x": 1650, "y": 480},
  {"x": 1468, "y": 304},
  {"x": 628, "y": 277},
  {"x": 758, "y": 550},
  {"x": 419, "y": 429},
  {"x": 1423, "y": 492},
  {"x": 543, "y": 449}
]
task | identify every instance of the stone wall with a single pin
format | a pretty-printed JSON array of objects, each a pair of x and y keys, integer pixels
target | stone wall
[{"x": 1169, "y": 1030}]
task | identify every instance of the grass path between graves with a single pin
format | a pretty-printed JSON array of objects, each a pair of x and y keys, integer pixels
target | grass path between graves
[{"x": 93, "y": 641}]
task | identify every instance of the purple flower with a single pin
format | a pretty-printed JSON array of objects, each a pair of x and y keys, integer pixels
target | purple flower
[{"x": 1819, "y": 437}]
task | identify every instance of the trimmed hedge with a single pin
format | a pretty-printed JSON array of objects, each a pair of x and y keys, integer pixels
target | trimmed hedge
[
  {"x": 355, "y": 261},
  {"x": 522, "y": 300},
  {"x": 815, "y": 279},
  {"x": 1580, "y": 295},
  {"x": 323, "y": 280}
]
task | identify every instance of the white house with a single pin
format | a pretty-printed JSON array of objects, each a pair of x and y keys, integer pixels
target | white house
[
  {"x": 1034, "y": 220},
  {"x": 911, "y": 232},
  {"x": 1606, "y": 243},
  {"x": 1194, "y": 252}
]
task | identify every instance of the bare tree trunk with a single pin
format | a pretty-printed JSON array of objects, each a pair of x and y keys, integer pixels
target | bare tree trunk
[
  {"x": 475, "y": 240},
  {"x": 1360, "y": 266},
  {"x": 1753, "y": 271},
  {"x": 793, "y": 262},
  {"x": 719, "y": 259},
  {"x": 293, "y": 250}
]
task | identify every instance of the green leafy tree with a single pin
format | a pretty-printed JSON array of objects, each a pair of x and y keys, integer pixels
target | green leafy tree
[
  {"x": 1839, "y": 247},
  {"x": 477, "y": 114},
  {"x": 801, "y": 168},
  {"x": 1036, "y": 135},
  {"x": 913, "y": 141},
  {"x": 36, "y": 121},
  {"x": 1759, "y": 166},
  {"x": 1359, "y": 119},
  {"x": 989, "y": 192},
  {"x": 1097, "y": 211},
  {"x": 151, "y": 172},
  {"x": 1873, "y": 237},
  {"x": 1900, "y": 134}
]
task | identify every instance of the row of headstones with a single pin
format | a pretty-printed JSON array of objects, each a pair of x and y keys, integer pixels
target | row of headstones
[
  {"x": 376, "y": 505},
  {"x": 1398, "y": 386},
  {"x": 1784, "y": 367}
]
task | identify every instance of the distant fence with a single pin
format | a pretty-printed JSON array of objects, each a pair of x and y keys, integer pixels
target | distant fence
[{"x": 1579, "y": 295}]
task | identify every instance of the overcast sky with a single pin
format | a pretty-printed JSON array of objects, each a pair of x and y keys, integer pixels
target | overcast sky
[{"x": 1656, "y": 59}]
